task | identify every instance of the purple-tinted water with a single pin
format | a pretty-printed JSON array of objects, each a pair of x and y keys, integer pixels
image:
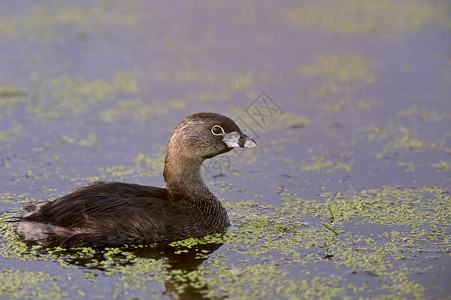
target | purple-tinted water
[{"x": 356, "y": 100}]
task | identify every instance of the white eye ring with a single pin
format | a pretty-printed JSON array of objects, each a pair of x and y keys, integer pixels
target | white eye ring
[{"x": 215, "y": 127}]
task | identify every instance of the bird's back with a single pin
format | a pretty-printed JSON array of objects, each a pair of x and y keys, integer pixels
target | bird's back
[{"x": 103, "y": 214}]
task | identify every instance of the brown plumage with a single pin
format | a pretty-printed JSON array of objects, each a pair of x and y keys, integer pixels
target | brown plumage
[{"x": 113, "y": 213}]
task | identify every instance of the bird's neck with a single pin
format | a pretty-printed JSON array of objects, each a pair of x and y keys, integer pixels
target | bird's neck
[{"x": 183, "y": 178}]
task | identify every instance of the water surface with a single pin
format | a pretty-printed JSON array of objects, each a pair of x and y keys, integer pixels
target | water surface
[{"x": 347, "y": 194}]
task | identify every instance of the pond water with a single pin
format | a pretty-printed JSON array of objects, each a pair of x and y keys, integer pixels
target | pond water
[{"x": 347, "y": 195}]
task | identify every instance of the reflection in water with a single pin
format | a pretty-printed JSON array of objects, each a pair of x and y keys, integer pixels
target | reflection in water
[{"x": 181, "y": 260}]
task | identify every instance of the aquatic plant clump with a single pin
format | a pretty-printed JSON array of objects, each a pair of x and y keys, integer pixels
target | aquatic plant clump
[{"x": 271, "y": 251}]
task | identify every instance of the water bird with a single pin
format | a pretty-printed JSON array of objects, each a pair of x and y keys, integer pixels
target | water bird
[{"x": 115, "y": 213}]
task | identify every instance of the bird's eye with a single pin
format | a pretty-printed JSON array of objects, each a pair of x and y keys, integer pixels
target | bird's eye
[{"x": 217, "y": 130}]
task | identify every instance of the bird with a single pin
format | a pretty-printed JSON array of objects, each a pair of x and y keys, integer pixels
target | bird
[{"x": 116, "y": 213}]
